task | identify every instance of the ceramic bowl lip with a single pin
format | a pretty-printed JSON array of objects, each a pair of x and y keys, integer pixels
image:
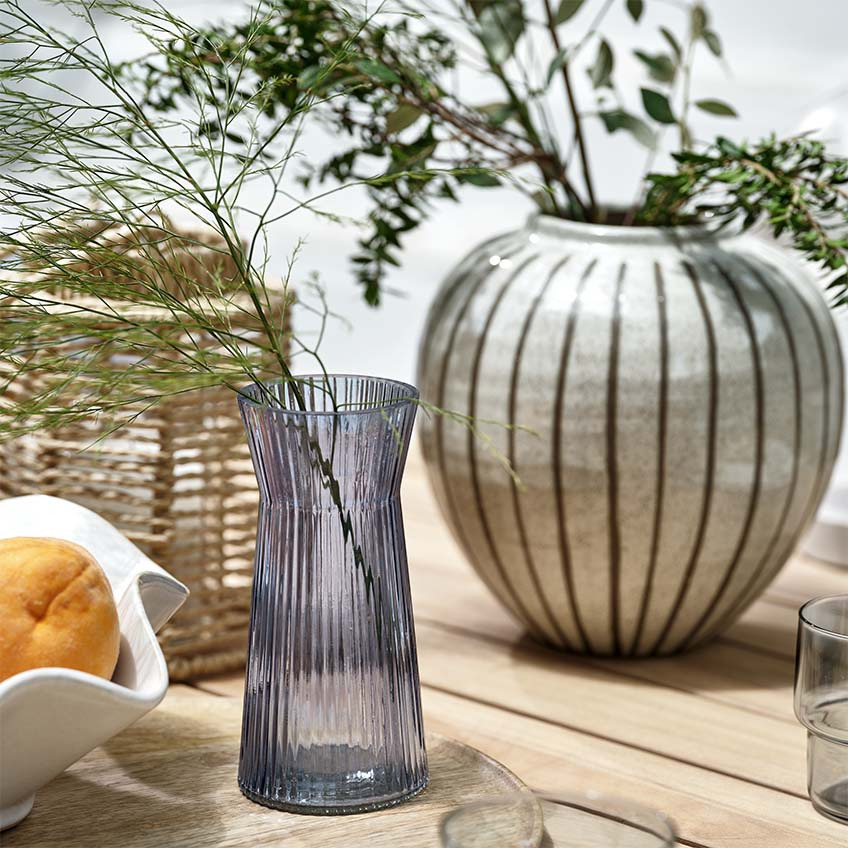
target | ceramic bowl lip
[
  {"x": 804, "y": 616},
  {"x": 562, "y": 227},
  {"x": 411, "y": 395},
  {"x": 130, "y": 593},
  {"x": 143, "y": 696}
]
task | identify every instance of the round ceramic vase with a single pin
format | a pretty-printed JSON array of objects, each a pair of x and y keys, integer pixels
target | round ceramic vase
[{"x": 681, "y": 392}]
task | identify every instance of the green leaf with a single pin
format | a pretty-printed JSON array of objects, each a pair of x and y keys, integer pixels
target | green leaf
[
  {"x": 501, "y": 25},
  {"x": 699, "y": 21},
  {"x": 635, "y": 7},
  {"x": 567, "y": 10},
  {"x": 657, "y": 106},
  {"x": 308, "y": 77},
  {"x": 661, "y": 66},
  {"x": 672, "y": 42},
  {"x": 417, "y": 158},
  {"x": 600, "y": 72},
  {"x": 377, "y": 71},
  {"x": 556, "y": 63},
  {"x": 497, "y": 113},
  {"x": 481, "y": 178},
  {"x": 717, "y": 107},
  {"x": 712, "y": 41},
  {"x": 402, "y": 117},
  {"x": 618, "y": 119}
]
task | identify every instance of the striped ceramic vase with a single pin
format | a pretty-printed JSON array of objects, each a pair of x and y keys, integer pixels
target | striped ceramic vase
[{"x": 683, "y": 397}]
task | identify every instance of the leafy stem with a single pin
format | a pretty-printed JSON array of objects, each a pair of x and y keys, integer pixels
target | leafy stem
[{"x": 791, "y": 184}]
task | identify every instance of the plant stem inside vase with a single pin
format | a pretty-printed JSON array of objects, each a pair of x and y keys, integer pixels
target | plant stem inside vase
[{"x": 332, "y": 720}]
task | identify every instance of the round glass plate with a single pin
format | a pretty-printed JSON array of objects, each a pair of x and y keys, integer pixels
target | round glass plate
[{"x": 585, "y": 820}]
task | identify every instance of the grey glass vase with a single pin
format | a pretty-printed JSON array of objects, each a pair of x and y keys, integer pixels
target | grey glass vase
[{"x": 332, "y": 707}]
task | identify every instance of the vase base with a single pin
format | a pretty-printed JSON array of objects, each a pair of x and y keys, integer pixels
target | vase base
[{"x": 311, "y": 809}]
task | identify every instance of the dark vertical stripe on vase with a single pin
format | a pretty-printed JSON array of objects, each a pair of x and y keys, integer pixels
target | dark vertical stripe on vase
[
  {"x": 792, "y": 488},
  {"x": 612, "y": 464},
  {"x": 515, "y": 597},
  {"x": 559, "y": 404},
  {"x": 840, "y": 376},
  {"x": 455, "y": 522},
  {"x": 839, "y": 382},
  {"x": 756, "y": 485},
  {"x": 821, "y": 480},
  {"x": 662, "y": 426},
  {"x": 709, "y": 471},
  {"x": 513, "y": 400}
]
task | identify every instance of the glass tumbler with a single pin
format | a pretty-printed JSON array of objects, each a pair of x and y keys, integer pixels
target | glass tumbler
[
  {"x": 332, "y": 707},
  {"x": 821, "y": 701}
]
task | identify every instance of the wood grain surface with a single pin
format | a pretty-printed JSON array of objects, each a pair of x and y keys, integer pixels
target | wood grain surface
[
  {"x": 170, "y": 780},
  {"x": 709, "y": 737}
]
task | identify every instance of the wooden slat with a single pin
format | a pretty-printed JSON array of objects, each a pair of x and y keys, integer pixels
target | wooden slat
[
  {"x": 170, "y": 782},
  {"x": 751, "y": 666},
  {"x": 675, "y": 724},
  {"x": 710, "y": 809},
  {"x": 757, "y": 748},
  {"x": 805, "y": 578},
  {"x": 723, "y": 671},
  {"x": 766, "y": 628}
]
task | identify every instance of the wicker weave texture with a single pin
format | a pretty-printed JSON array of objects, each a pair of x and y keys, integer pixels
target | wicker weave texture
[{"x": 178, "y": 481}]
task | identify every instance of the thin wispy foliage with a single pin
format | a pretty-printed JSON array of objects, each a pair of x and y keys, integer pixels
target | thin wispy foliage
[
  {"x": 130, "y": 268},
  {"x": 90, "y": 187},
  {"x": 108, "y": 307}
]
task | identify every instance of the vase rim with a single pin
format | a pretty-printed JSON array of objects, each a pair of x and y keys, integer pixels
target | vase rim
[
  {"x": 410, "y": 395},
  {"x": 553, "y": 225}
]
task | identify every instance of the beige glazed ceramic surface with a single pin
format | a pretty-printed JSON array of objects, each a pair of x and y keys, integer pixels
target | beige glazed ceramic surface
[
  {"x": 50, "y": 717},
  {"x": 685, "y": 396}
]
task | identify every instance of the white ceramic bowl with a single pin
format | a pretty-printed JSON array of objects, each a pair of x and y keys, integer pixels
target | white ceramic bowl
[{"x": 50, "y": 717}]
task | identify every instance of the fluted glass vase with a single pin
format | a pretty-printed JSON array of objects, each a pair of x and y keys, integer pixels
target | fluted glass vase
[{"x": 332, "y": 708}]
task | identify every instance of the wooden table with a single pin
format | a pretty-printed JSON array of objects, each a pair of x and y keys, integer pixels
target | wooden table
[{"x": 708, "y": 737}]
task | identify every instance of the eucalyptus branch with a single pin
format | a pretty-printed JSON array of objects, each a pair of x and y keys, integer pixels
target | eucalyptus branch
[
  {"x": 523, "y": 116},
  {"x": 686, "y": 75}
]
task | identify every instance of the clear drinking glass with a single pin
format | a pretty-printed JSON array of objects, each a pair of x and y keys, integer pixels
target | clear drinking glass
[
  {"x": 573, "y": 820},
  {"x": 821, "y": 701},
  {"x": 332, "y": 708}
]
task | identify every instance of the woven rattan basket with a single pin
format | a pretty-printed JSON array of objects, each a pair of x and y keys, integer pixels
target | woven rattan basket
[{"x": 177, "y": 480}]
